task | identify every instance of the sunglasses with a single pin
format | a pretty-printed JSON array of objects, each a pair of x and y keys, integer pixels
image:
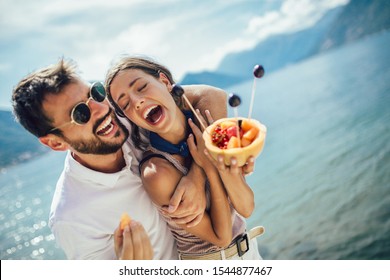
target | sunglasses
[{"x": 81, "y": 113}]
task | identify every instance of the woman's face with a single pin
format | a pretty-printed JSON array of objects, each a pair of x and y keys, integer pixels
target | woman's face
[{"x": 145, "y": 100}]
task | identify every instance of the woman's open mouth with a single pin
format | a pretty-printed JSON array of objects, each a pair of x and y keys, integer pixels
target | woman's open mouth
[{"x": 153, "y": 114}]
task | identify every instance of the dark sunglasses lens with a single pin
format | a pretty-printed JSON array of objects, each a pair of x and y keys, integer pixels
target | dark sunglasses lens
[
  {"x": 81, "y": 113},
  {"x": 98, "y": 92}
]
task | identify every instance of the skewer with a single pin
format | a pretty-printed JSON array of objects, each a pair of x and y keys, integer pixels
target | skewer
[
  {"x": 234, "y": 101},
  {"x": 258, "y": 72},
  {"x": 179, "y": 91}
]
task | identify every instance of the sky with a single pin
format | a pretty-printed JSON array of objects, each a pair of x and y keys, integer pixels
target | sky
[{"x": 184, "y": 35}]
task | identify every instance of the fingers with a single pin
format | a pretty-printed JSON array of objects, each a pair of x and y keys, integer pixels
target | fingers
[
  {"x": 195, "y": 129},
  {"x": 249, "y": 167},
  {"x": 201, "y": 118},
  {"x": 185, "y": 220},
  {"x": 118, "y": 241},
  {"x": 209, "y": 117},
  {"x": 127, "y": 249},
  {"x": 147, "y": 249},
  {"x": 191, "y": 144},
  {"x": 136, "y": 243},
  {"x": 138, "y": 247},
  {"x": 234, "y": 166},
  {"x": 195, "y": 221},
  {"x": 180, "y": 212},
  {"x": 221, "y": 163},
  {"x": 175, "y": 199}
]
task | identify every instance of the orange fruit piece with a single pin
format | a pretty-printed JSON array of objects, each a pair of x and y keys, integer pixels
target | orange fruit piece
[
  {"x": 246, "y": 125},
  {"x": 233, "y": 142},
  {"x": 125, "y": 221},
  {"x": 245, "y": 142},
  {"x": 251, "y": 133}
]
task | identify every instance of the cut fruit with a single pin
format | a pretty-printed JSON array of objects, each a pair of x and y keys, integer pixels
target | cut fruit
[
  {"x": 245, "y": 142},
  {"x": 227, "y": 124},
  {"x": 246, "y": 125},
  {"x": 125, "y": 221},
  {"x": 251, "y": 133},
  {"x": 233, "y": 143},
  {"x": 224, "y": 141}
]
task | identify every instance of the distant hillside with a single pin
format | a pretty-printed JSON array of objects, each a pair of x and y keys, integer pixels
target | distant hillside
[
  {"x": 339, "y": 26},
  {"x": 358, "y": 19},
  {"x": 16, "y": 144},
  {"x": 210, "y": 78},
  {"x": 279, "y": 51}
]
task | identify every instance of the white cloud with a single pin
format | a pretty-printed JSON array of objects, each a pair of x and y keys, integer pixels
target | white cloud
[
  {"x": 185, "y": 35},
  {"x": 149, "y": 38},
  {"x": 293, "y": 15}
]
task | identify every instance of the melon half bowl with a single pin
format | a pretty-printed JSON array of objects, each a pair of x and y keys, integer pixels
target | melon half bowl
[{"x": 221, "y": 139}]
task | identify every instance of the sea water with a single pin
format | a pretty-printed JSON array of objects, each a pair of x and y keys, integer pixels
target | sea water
[{"x": 321, "y": 184}]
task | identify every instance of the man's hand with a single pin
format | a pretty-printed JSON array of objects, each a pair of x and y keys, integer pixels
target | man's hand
[
  {"x": 188, "y": 203},
  {"x": 132, "y": 243}
]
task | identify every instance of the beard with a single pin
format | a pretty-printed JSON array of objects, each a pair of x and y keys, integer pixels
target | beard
[{"x": 97, "y": 146}]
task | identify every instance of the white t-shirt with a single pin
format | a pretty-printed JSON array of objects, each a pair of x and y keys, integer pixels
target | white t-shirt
[{"x": 87, "y": 207}]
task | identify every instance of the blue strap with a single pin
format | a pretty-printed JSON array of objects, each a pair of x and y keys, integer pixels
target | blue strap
[{"x": 163, "y": 145}]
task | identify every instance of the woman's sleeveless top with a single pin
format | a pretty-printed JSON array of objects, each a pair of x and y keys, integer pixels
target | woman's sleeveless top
[{"x": 188, "y": 243}]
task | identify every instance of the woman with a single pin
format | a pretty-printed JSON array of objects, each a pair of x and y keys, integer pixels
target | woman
[{"x": 141, "y": 90}]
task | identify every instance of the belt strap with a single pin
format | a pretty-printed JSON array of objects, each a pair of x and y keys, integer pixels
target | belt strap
[{"x": 240, "y": 247}]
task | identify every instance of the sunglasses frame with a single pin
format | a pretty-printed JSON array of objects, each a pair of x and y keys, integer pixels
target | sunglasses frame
[{"x": 91, "y": 97}]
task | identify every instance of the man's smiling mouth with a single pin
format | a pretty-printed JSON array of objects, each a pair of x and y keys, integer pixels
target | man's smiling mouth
[{"x": 106, "y": 127}]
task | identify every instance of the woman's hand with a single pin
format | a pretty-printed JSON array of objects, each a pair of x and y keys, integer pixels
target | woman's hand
[{"x": 197, "y": 150}]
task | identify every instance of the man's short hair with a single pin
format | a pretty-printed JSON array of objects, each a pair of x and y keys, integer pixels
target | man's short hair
[{"x": 30, "y": 92}]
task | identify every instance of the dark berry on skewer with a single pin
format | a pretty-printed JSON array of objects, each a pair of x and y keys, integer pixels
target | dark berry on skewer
[
  {"x": 177, "y": 90},
  {"x": 258, "y": 71},
  {"x": 234, "y": 100}
]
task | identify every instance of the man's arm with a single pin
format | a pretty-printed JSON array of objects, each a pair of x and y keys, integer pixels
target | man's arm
[{"x": 204, "y": 97}]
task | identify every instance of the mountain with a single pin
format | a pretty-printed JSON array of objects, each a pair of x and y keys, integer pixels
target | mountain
[
  {"x": 279, "y": 51},
  {"x": 210, "y": 78},
  {"x": 17, "y": 145},
  {"x": 358, "y": 19},
  {"x": 338, "y": 26}
]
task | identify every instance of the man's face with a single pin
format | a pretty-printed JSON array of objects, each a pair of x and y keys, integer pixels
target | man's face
[{"x": 102, "y": 134}]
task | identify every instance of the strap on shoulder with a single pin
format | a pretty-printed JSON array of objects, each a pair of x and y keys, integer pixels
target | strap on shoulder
[{"x": 146, "y": 158}]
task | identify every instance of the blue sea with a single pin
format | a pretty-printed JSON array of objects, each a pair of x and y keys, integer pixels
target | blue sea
[{"x": 322, "y": 183}]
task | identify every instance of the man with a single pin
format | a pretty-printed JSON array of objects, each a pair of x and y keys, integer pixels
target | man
[{"x": 100, "y": 179}]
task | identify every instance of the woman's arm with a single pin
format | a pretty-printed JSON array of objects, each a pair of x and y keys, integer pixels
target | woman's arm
[
  {"x": 188, "y": 202},
  {"x": 239, "y": 192},
  {"x": 160, "y": 179}
]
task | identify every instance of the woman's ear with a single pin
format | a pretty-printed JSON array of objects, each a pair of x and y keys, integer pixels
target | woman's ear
[
  {"x": 54, "y": 142},
  {"x": 165, "y": 80}
]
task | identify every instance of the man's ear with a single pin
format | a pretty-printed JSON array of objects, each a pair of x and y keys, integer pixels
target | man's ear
[{"x": 54, "y": 142}]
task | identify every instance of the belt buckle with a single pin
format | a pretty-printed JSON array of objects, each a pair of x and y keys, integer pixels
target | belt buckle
[{"x": 238, "y": 244}]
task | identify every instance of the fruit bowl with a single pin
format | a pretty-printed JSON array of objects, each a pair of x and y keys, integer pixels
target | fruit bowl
[{"x": 221, "y": 139}]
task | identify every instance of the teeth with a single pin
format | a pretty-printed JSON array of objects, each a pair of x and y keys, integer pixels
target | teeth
[
  {"x": 104, "y": 125},
  {"x": 147, "y": 111},
  {"x": 108, "y": 130}
]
